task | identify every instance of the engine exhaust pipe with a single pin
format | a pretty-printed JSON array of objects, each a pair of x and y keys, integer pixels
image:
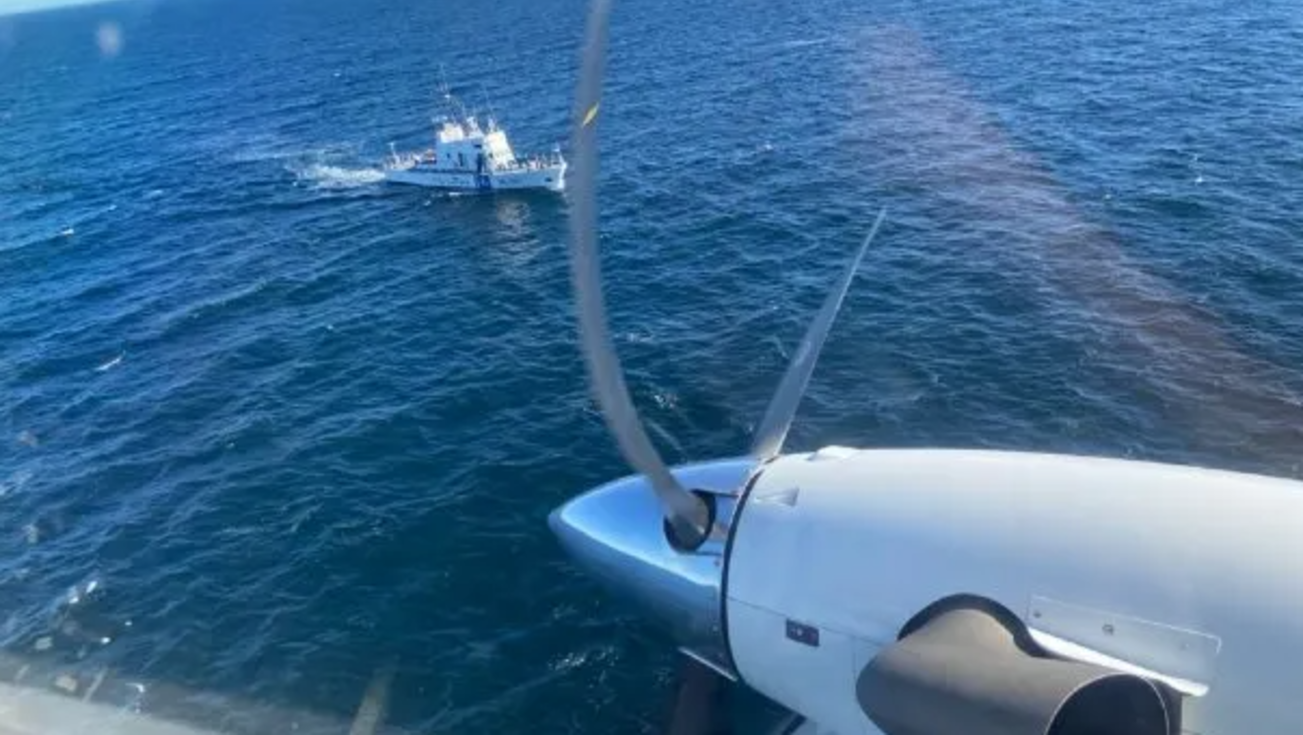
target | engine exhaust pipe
[{"x": 965, "y": 672}]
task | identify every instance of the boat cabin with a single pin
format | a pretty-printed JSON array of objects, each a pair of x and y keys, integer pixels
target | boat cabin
[{"x": 464, "y": 146}]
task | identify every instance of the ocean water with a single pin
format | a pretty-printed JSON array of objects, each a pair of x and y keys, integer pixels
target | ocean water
[{"x": 268, "y": 425}]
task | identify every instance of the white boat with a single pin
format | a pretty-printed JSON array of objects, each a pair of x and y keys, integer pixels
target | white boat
[{"x": 468, "y": 157}]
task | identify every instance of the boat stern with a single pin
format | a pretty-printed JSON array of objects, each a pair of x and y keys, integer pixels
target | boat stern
[{"x": 558, "y": 182}]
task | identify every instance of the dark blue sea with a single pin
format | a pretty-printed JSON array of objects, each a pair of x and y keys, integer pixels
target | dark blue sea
[{"x": 269, "y": 425}]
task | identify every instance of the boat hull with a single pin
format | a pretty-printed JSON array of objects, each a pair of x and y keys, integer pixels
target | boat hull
[{"x": 549, "y": 178}]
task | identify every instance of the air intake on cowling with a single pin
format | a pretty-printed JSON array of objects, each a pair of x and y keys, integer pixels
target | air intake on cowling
[{"x": 964, "y": 672}]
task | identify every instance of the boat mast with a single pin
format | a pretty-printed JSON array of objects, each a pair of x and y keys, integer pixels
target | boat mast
[
  {"x": 488, "y": 105},
  {"x": 454, "y": 105}
]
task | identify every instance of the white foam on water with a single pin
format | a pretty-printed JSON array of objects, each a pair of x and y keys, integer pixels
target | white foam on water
[{"x": 324, "y": 176}]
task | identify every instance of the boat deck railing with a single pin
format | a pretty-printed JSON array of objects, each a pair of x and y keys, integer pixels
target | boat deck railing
[{"x": 533, "y": 163}]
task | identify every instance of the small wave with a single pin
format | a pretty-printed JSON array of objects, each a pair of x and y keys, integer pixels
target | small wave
[
  {"x": 266, "y": 149},
  {"x": 337, "y": 177},
  {"x": 637, "y": 337},
  {"x": 262, "y": 150},
  {"x": 805, "y": 42},
  {"x": 261, "y": 156},
  {"x": 87, "y": 218},
  {"x": 16, "y": 482},
  {"x": 111, "y": 363},
  {"x": 666, "y": 399}
]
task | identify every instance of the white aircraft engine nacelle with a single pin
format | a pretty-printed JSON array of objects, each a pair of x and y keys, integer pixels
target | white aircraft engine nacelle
[{"x": 846, "y": 568}]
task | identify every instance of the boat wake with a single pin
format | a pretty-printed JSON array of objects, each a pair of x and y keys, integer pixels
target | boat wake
[
  {"x": 323, "y": 176},
  {"x": 318, "y": 167}
]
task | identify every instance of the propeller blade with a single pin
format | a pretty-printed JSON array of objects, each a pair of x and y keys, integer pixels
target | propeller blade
[
  {"x": 687, "y": 514},
  {"x": 699, "y": 701},
  {"x": 769, "y": 437}
]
